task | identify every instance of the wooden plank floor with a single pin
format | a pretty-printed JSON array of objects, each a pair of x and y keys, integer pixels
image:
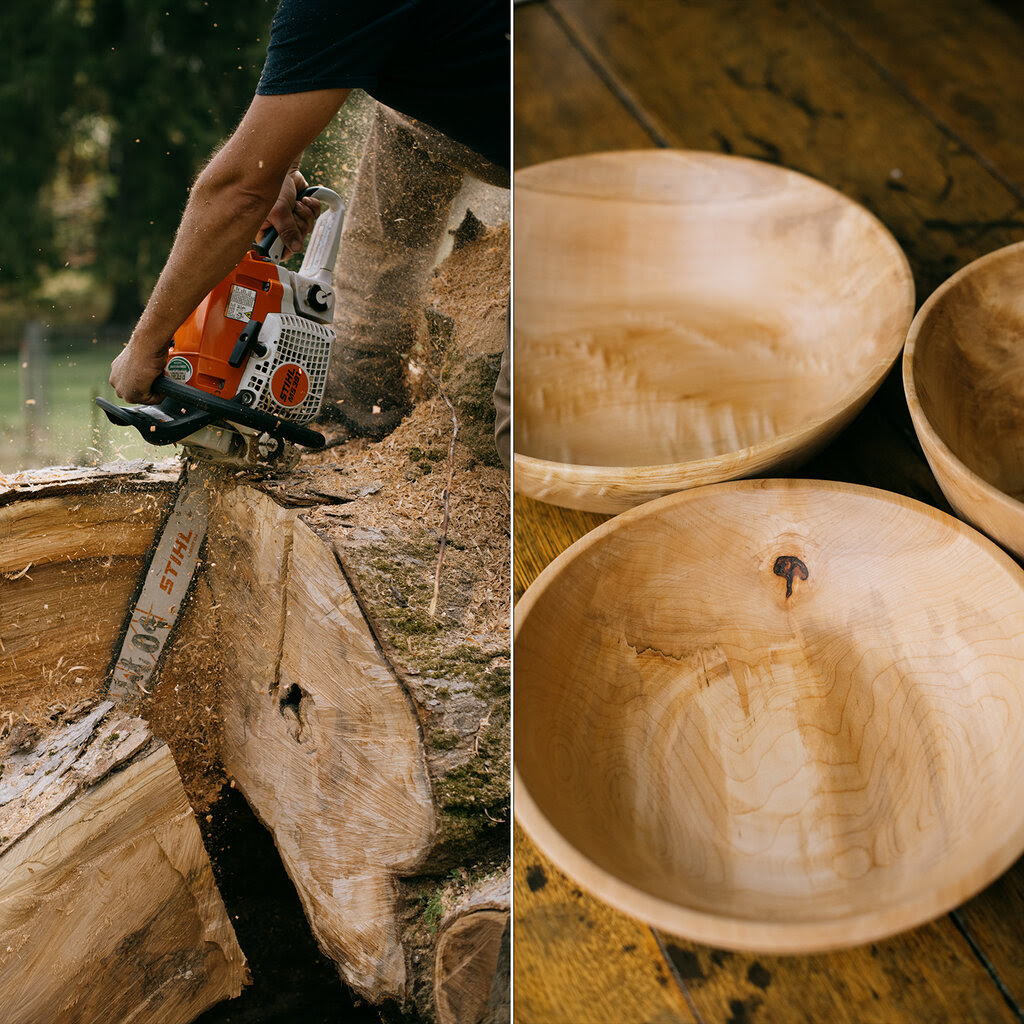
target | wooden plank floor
[{"x": 916, "y": 111}]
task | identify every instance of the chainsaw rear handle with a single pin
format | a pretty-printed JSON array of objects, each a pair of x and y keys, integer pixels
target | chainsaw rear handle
[{"x": 322, "y": 249}]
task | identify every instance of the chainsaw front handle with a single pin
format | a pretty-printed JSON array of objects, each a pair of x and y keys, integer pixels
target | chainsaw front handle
[
  {"x": 225, "y": 409},
  {"x": 185, "y": 410}
]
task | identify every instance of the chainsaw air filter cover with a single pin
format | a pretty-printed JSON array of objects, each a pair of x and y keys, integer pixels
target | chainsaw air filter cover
[
  {"x": 289, "y": 380},
  {"x": 252, "y": 357}
]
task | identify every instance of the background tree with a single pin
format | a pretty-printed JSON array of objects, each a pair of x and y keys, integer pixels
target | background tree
[{"x": 108, "y": 108}]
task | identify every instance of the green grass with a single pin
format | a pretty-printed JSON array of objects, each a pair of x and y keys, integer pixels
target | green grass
[{"x": 69, "y": 427}]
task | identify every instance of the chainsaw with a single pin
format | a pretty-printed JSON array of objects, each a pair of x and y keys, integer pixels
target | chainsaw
[
  {"x": 245, "y": 373},
  {"x": 248, "y": 368}
]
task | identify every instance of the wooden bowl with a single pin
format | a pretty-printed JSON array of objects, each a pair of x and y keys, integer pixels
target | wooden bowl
[
  {"x": 963, "y": 372},
  {"x": 684, "y": 318},
  {"x": 775, "y": 715}
]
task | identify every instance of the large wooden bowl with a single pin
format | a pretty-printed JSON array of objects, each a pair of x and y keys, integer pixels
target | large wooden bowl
[
  {"x": 684, "y": 318},
  {"x": 775, "y": 715},
  {"x": 963, "y": 372}
]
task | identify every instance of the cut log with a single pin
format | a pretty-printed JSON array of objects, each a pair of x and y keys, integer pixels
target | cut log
[
  {"x": 318, "y": 734},
  {"x": 366, "y": 768},
  {"x": 370, "y": 735},
  {"x": 108, "y": 908},
  {"x": 344, "y": 657},
  {"x": 470, "y": 967},
  {"x": 72, "y": 546}
]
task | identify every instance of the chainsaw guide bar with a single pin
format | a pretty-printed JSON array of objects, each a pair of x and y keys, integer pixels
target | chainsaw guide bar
[{"x": 166, "y": 584}]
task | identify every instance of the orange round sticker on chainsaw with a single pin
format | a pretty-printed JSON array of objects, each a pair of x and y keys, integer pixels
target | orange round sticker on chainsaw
[{"x": 289, "y": 384}]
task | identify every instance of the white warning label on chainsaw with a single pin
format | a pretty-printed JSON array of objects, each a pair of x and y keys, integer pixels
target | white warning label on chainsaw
[{"x": 241, "y": 304}]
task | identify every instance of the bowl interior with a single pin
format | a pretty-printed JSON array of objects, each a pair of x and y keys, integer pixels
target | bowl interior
[
  {"x": 691, "y": 731},
  {"x": 673, "y": 306},
  {"x": 969, "y": 368}
]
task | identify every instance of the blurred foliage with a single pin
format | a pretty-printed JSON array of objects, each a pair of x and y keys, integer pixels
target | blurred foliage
[{"x": 108, "y": 108}]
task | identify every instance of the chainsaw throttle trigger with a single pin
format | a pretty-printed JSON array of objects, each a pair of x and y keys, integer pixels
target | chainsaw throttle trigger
[
  {"x": 266, "y": 248},
  {"x": 247, "y": 342}
]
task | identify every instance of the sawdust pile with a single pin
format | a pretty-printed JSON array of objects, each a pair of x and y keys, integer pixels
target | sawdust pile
[
  {"x": 397, "y": 486},
  {"x": 409, "y": 481}
]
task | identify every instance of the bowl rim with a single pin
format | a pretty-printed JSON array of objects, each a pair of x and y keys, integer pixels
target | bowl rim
[
  {"x": 927, "y": 434},
  {"x": 523, "y": 177},
  {"x": 710, "y": 469},
  {"x": 730, "y": 931}
]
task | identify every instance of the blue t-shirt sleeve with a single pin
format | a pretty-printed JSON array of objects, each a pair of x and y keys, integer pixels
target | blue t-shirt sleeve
[
  {"x": 330, "y": 44},
  {"x": 443, "y": 62}
]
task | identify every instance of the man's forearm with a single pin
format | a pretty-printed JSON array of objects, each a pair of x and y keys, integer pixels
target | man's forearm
[
  {"x": 220, "y": 221},
  {"x": 228, "y": 204}
]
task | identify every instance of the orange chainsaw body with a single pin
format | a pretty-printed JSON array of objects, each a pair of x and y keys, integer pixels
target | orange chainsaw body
[
  {"x": 248, "y": 368},
  {"x": 204, "y": 342}
]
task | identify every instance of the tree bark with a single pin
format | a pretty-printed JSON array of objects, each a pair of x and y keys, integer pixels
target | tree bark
[{"x": 108, "y": 908}]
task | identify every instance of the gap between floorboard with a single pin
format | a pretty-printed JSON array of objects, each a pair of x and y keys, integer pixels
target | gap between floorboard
[
  {"x": 618, "y": 89},
  {"x": 907, "y": 93},
  {"x": 962, "y": 928}
]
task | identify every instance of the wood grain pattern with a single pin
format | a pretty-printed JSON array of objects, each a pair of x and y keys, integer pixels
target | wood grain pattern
[
  {"x": 576, "y": 957},
  {"x": 928, "y": 974},
  {"x": 338, "y": 751},
  {"x": 108, "y": 907},
  {"x": 541, "y": 533},
  {"x": 69, "y": 562},
  {"x": 562, "y": 105},
  {"x": 684, "y": 318},
  {"x": 991, "y": 920},
  {"x": 812, "y": 673},
  {"x": 747, "y": 78},
  {"x": 962, "y": 60},
  {"x": 314, "y": 723},
  {"x": 468, "y": 950},
  {"x": 963, "y": 370}
]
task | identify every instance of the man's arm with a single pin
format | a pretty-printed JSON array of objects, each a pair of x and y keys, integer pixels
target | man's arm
[{"x": 239, "y": 189}]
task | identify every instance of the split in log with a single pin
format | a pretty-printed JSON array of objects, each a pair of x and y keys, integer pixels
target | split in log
[{"x": 108, "y": 908}]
